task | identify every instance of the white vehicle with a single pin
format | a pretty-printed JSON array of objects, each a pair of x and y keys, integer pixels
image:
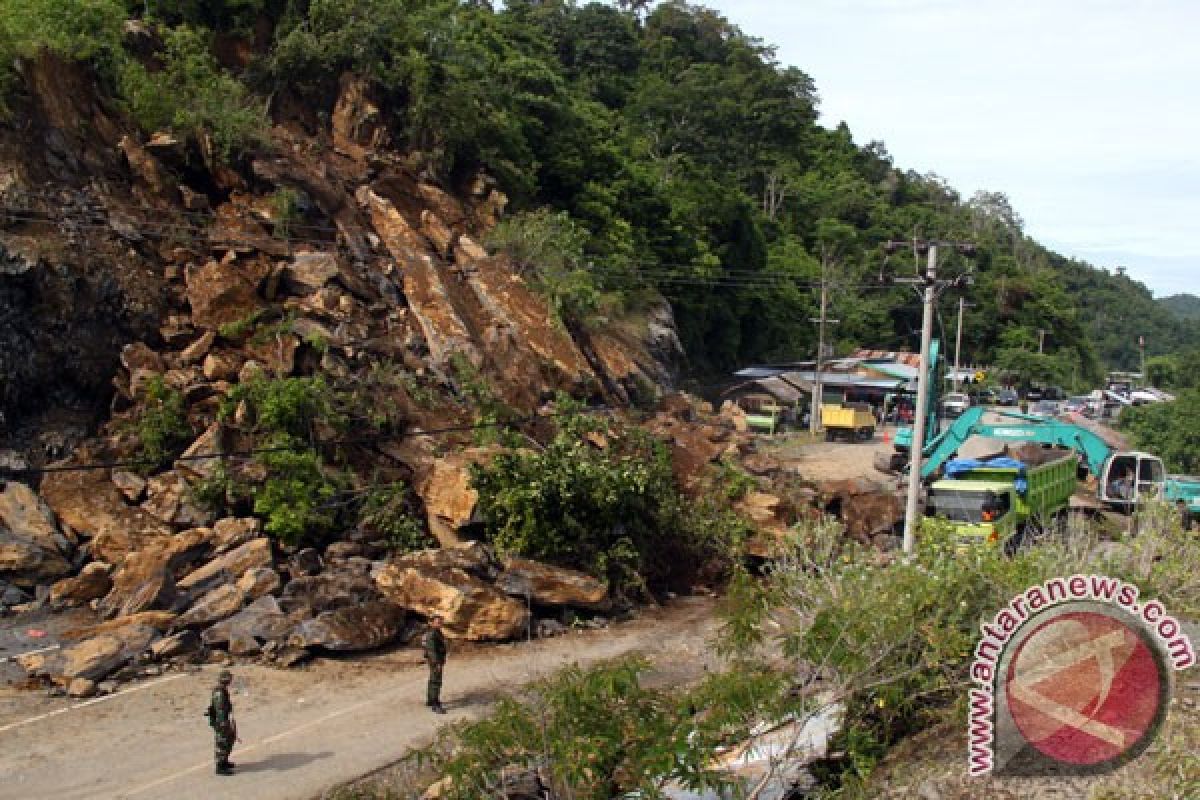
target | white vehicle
[{"x": 955, "y": 404}]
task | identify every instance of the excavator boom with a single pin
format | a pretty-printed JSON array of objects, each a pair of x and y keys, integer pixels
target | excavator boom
[{"x": 1022, "y": 428}]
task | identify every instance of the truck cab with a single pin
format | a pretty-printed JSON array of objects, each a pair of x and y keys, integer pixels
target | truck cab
[
  {"x": 982, "y": 511},
  {"x": 1130, "y": 477}
]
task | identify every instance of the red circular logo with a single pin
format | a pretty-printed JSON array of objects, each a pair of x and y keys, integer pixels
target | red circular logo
[{"x": 1086, "y": 688}]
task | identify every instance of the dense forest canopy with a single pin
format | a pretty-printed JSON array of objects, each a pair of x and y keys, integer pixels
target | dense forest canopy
[
  {"x": 1184, "y": 306},
  {"x": 677, "y": 153}
]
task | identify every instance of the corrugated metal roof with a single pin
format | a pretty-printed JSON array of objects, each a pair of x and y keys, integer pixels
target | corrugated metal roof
[
  {"x": 893, "y": 369},
  {"x": 841, "y": 379}
]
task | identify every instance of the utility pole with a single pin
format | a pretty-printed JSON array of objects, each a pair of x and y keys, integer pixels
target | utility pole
[
  {"x": 814, "y": 413},
  {"x": 919, "y": 415},
  {"x": 962, "y": 304},
  {"x": 1041, "y": 340},
  {"x": 931, "y": 288}
]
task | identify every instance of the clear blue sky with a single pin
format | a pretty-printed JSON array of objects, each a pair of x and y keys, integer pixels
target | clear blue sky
[{"x": 1086, "y": 113}]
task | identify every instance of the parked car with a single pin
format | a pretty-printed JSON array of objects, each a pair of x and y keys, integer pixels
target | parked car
[
  {"x": 1045, "y": 408},
  {"x": 983, "y": 397},
  {"x": 1033, "y": 394},
  {"x": 954, "y": 404},
  {"x": 1007, "y": 397},
  {"x": 1079, "y": 404}
]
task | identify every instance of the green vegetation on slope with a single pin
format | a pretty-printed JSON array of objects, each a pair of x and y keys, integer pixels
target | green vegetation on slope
[
  {"x": 1170, "y": 430},
  {"x": 892, "y": 640},
  {"x": 1184, "y": 306},
  {"x": 672, "y": 152}
]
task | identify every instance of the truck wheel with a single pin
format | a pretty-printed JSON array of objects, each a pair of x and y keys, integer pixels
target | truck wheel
[{"x": 829, "y": 434}]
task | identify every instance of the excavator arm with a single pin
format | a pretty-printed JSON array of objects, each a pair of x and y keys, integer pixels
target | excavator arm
[{"x": 1023, "y": 428}]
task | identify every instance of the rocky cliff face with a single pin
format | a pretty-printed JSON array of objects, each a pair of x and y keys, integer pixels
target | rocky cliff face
[
  {"x": 142, "y": 276},
  {"x": 133, "y": 269},
  {"x": 107, "y": 241}
]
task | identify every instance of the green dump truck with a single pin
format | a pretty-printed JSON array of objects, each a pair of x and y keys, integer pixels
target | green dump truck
[{"x": 1002, "y": 500}]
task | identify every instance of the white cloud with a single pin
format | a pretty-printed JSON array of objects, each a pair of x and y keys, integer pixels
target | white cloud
[{"x": 1085, "y": 114}]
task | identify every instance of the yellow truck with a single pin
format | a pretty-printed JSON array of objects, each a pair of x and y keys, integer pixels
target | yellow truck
[{"x": 852, "y": 421}]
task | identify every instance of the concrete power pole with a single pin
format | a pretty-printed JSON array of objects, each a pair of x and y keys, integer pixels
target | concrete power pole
[
  {"x": 932, "y": 287},
  {"x": 919, "y": 415}
]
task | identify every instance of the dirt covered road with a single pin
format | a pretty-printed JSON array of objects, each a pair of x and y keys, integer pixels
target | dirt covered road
[
  {"x": 302, "y": 731},
  {"x": 818, "y": 460}
]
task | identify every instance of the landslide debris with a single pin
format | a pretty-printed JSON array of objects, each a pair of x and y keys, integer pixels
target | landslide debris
[{"x": 243, "y": 401}]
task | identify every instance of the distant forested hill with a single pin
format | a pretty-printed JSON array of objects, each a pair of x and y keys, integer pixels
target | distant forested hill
[
  {"x": 645, "y": 152},
  {"x": 1184, "y": 306}
]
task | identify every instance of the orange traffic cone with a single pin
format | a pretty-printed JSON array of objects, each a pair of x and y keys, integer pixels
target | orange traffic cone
[{"x": 887, "y": 436}]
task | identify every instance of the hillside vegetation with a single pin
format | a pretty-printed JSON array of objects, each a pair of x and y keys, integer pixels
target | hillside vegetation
[
  {"x": 659, "y": 151},
  {"x": 1184, "y": 306}
]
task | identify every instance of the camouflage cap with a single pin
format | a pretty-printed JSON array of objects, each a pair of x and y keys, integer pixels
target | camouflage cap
[{"x": 225, "y": 676}]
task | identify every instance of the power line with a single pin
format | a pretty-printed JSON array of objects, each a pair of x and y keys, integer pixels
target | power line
[
  {"x": 654, "y": 272},
  {"x": 231, "y": 454}
]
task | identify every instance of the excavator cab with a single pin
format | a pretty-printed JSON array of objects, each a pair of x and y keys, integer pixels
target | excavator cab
[{"x": 1130, "y": 477}]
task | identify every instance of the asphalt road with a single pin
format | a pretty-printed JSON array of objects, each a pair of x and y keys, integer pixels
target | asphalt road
[{"x": 303, "y": 731}]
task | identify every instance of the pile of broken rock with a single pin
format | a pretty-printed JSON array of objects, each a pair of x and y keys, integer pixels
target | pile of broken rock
[{"x": 228, "y": 589}]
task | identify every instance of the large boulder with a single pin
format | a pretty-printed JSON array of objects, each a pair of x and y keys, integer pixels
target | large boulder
[
  {"x": 89, "y": 503},
  {"x": 328, "y": 591},
  {"x": 233, "y": 532},
  {"x": 258, "y": 582},
  {"x": 146, "y": 579},
  {"x": 262, "y": 620},
  {"x": 192, "y": 465},
  {"x": 310, "y": 271},
  {"x": 470, "y": 608},
  {"x": 169, "y": 498},
  {"x": 223, "y": 601},
  {"x": 223, "y": 292},
  {"x": 444, "y": 486},
  {"x": 160, "y": 621},
  {"x": 231, "y": 565},
  {"x": 94, "y": 658},
  {"x": 474, "y": 558},
  {"x": 142, "y": 583},
  {"x": 352, "y": 629},
  {"x": 32, "y": 550},
  {"x": 552, "y": 586},
  {"x": 428, "y": 296},
  {"x": 93, "y": 582}
]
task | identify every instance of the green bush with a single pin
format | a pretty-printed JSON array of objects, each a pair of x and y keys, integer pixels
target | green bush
[
  {"x": 614, "y": 513},
  {"x": 599, "y": 733},
  {"x": 161, "y": 427},
  {"x": 285, "y": 206},
  {"x": 87, "y": 31},
  {"x": 291, "y": 406},
  {"x": 191, "y": 95},
  {"x": 297, "y": 500},
  {"x": 388, "y": 512},
  {"x": 547, "y": 248},
  {"x": 1170, "y": 430},
  {"x": 900, "y": 633}
]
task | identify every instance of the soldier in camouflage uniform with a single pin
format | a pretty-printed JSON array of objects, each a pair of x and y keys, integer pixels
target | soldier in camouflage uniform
[
  {"x": 220, "y": 717},
  {"x": 434, "y": 644}
]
